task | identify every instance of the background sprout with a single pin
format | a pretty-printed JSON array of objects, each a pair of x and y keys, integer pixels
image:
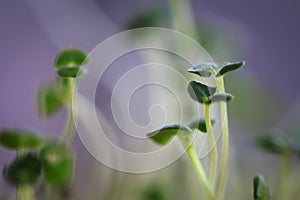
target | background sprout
[
  {"x": 57, "y": 162},
  {"x": 18, "y": 139},
  {"x": 24, "y": 170},
  {"x": 70, "y": 58},
  {"x": 261, "y": 191}
]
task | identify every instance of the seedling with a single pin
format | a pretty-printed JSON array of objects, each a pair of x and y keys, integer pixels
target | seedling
[
  {"x": 40, "y": 159},
  {"x": 205, "y": 95},
  {"x": 285, "y": 146},
  {"x": 261, "y": 190}
]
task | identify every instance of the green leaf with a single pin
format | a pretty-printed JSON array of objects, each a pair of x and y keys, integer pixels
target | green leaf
[
  {"x": 270, "y": 144},
  {"x": 70, "y": 58},
  {"x": 200, "y": 92},
  {"x": 49, "y": 102},
  {"x": 165, "y": 134},
  {"x": 19, "y": 139},
  {"x": 200, "y": 125},
  {"x": 24, "y": 170},
  {"x": 57, "y": 162},
  {"x": 52, "y": 97},
  {"x": 227, "y": 67},
  {"x": 261, "y": 191},
  {"x": 203, "y": 70},
  {"x": 221, "y": 97},
  {"x": 70, "y": 72}
]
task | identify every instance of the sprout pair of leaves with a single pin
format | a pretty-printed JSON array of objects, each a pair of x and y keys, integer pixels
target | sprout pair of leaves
[
  {"x": 261, "y": 190},
  {"x": 68, "y": 63},
  {"x": 53, "y": 159},
  {"x": 209, "y": 69},
  {"x": 200, "y": 93},
  {"x": 54, "y": 96},
  {"x": 205, "y": 94}
]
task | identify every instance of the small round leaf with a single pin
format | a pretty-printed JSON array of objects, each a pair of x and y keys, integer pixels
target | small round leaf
[
  {"x": 165, "y": 134},
  {"x": 200, "y": 92},
  {"x": 200, "y": 125},
  {"x": 227, "y": 67},
  {"x": 49, "y": 101},
  {"x": 19, "y": 139},
  {"x": 70, "y": 58},
  {"x": 24, "y": 170},
  {"x": 221, "y": 97},
  {"x": 203, "y": 70},
  {"x": 261, "y": 191},
  {"x": 70, "y": 72},
  {"x": 57, "y": 162}
]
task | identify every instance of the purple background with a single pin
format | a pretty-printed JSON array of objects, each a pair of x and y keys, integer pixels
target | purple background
[{"x": 31, "y": 33}]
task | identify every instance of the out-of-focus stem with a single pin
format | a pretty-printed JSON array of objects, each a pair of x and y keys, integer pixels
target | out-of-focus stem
[
  {"x": 200, "y": 171},
  {"x": 225, "y": 143},
  {"x": 212, "y": 146},
  {"x": 69, "y": 130},
  {"x": 25, "y": 192},
  {"x": 283, "y": 190}
]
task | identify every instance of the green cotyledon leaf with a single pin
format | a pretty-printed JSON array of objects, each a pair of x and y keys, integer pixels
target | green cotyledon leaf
[
  {"x": 20, "y": 139},
  {"x": 165, "y": 134},
  {"x": 227, "y": 67},
  {"x": 70, "y": 58},
  {"x": 200, "y": 92},
  {"x": 57, "y": 162}
]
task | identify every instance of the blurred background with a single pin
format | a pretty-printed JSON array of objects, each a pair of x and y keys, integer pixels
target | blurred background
[{"x": 264, "y": 33}]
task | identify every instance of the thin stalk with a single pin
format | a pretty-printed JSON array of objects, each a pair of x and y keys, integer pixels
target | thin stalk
[
  {"x": 225, "y": 143},
  {"x": 200, "y": 171},
  {"x": 285, "y": 171},
  {"x": 25, "y": 192},
  {"x": 69, "y": 129},
  {"x": 212, "y": 146}
]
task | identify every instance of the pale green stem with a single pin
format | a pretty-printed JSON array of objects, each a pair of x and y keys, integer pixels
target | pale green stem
[
  {"x": 25, "y": 192},
  {"x": 200, "y": 171},
  {"x": 283, "y": 190},
  {"x": 69, "y": 130},
  {"x": 225, "y": 143},
  {"x": 212, "y": 146}
]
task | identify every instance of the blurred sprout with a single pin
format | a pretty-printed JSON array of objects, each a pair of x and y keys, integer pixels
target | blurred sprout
[
  {"x": 57, "y": 162},
  {"x": 153, "y": 193},
  {"x": 261, "y": 191},
  {"x": 52, "y": 97},
  {"x": 271, "y": 144},
  {"x": 24, "y": 170},
  {"x": 70, "y": 58},
  {"x": 149, "y": 18},
  {"x": 19, "y": 139}
]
